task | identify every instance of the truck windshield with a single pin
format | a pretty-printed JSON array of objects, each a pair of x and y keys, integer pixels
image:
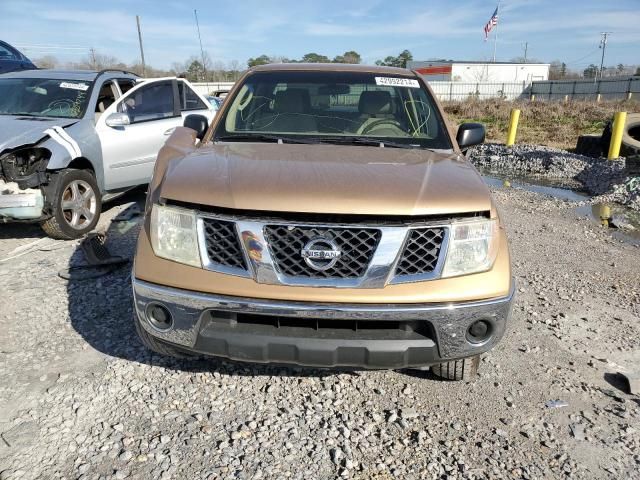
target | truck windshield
[
  {"x": 338, "y": 105},
  {"x": 43, "y": 97}
]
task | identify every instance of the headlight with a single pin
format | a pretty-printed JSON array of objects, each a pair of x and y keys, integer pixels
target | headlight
[
  {"x": 472, "y": 247},
  {"x": 174, "y": 235}
]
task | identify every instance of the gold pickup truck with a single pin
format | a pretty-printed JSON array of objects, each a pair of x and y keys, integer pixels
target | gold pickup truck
[{"x": 327, "y": 217}]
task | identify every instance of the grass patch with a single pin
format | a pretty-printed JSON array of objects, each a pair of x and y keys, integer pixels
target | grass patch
[{"x": 555, "y": 124}]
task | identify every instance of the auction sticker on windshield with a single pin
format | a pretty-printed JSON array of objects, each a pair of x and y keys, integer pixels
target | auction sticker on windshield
[
  {"x": 75, "y": 86},
  {"x": 397, "y": 82}
]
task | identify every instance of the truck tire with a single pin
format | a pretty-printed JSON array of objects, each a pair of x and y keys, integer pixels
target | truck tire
[
  {"x": 77, "y": 204},
  {"x": 151, "y": 343},
  {"x": 465, "y": 369},
  {"x": 631, "y": 136}
]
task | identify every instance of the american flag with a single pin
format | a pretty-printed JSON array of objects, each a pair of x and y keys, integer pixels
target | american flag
[{"x": 493, "y": 21}]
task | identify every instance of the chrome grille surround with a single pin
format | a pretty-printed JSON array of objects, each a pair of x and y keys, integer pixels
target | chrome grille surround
[{"x": 263, "y": 264}]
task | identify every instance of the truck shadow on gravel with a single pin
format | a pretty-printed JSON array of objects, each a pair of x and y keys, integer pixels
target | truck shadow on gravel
[{"x": 101, "y": 310}]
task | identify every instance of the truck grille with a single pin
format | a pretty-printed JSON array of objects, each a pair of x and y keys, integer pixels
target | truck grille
[
  {"x": 356, "y": 244},
  {"x": 421, "y": 252},
  {"x": 222, "y": 243}
]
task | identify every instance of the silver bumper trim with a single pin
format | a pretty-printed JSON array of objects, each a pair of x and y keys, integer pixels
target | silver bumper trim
[{"x": 450, "y": 321}]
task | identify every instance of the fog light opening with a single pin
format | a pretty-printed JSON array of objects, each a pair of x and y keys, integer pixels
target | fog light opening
[
  {"x": 159, "y": 317},
  {"x": 479, "y": 331}
]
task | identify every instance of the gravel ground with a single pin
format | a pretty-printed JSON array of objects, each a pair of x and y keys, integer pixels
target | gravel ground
[
  {"x": 81, "y": 398},
  {"x": 601, "y": 177}
]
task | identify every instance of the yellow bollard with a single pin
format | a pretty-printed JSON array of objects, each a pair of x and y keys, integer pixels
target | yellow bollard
[
  {"x": 619, "y": 121},
  {"x": 513, "y": 126},
  {"x": 603, "y": 212}
]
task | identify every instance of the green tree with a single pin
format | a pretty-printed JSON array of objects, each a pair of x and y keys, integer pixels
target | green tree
[
  {"x": 195, "y": 71},
  {"x": 315, "y": 58},
  {"x": 400, "y": 61},
  {"x": 348, "y": 57},
  {"x": 261, "y": 60}
]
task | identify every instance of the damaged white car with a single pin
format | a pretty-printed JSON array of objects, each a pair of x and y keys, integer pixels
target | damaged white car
[{"x": 71, "y": 140}]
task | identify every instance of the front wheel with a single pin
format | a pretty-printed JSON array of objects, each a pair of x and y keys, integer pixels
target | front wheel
[
  {"x": 77, "y": 205},
  {"x": 465, "y": 369}
]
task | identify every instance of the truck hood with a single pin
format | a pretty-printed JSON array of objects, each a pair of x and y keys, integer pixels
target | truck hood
[
  {"x": 16, "y": 130},
  {"x": 326, "y": 179}
]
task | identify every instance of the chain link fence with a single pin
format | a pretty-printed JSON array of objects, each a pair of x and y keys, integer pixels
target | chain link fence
[
  {"x": 461, "y": 91},
  {"x": 587, "y": 90},
  {"x": 549, "y": 90}
]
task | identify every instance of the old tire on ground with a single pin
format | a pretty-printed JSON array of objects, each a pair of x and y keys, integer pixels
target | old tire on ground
[
  {"x": 77, "y": 204},
  {"x": 465, "y": 369},
  {"x": 631, "y": 135},
  {"x": 150, "y": 342}
]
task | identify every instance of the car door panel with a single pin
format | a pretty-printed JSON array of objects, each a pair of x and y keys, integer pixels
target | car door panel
[
  {"x": 129, "y": 151},
  {"x": 191, "y": 102}
]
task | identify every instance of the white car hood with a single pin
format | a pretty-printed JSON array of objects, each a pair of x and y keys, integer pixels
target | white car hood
[{"x": 16, "y": 130}]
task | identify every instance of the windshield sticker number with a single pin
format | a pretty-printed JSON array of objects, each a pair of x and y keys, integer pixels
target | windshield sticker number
[
  {"x": 75, "y": 86},
  {"x": 397, "y": 82}
]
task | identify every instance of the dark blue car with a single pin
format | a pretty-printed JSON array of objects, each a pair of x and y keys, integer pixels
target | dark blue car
[{"x": 12, "y": 60}]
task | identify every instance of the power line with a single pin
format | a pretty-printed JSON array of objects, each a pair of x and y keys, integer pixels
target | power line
[{"x": 582, "y": 58}]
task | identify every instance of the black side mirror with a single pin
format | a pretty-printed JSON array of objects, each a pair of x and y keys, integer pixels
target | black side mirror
[
  {"x": 469, "y": 134},
  {"x": 199, "y": 123}
]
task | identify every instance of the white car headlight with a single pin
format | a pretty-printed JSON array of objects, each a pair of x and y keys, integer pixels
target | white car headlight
[
  {"x": 472, "y": 247},
  {"x": 174, "y": 235}
]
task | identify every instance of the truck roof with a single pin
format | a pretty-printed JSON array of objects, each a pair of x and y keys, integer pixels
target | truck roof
[
  {"x": 86, "y": 75},
  {"x": 332, "y": 67}
]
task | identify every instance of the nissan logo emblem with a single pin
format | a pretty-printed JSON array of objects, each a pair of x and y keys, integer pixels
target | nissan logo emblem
[{"x": 321, "y": 253}]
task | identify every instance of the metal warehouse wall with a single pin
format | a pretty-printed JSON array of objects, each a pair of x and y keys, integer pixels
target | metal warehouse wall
[{"x": 499, "y": 72}]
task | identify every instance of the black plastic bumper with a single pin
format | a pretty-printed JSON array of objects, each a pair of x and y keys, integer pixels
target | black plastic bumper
[{"x": 322, "y": 335}]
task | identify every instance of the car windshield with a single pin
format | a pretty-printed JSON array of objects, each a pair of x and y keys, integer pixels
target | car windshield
[
  {"x": 335, "y": 106},
  {"x": 43, "y": 97}
]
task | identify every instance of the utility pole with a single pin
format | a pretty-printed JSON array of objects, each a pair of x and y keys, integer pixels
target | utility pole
[
  {"x": 204, "y": 67},
  {"x": 603, "y": 46},
  {"x": 526, "y": 47},
  {"x": 140, "y": 42}
]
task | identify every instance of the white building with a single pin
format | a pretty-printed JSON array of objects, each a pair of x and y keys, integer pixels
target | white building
[{"x": 474, "y": 72}]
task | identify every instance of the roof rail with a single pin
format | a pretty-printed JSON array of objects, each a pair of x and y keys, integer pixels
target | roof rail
[{"x": 119, "y": 70}]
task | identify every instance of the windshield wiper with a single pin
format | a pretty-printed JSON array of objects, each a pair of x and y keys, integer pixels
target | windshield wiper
[
  {"x": 354, "y": 140},
  {"x": 21, "y": 114},
  {"x": 262, "y": 137}
]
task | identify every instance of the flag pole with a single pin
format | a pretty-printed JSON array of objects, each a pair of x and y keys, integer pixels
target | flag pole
[{"x": 495, "y": 35}]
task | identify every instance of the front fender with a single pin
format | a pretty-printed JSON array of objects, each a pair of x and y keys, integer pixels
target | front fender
[{"x": 78, "y": 141}]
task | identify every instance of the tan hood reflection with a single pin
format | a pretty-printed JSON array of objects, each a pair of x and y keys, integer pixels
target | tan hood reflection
[{"x": 326, "y": 179}]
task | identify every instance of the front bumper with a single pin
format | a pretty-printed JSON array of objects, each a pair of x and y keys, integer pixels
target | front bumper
[
  {"x": 20, "y": 204},
  {"x": 322, "y": 335}
]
